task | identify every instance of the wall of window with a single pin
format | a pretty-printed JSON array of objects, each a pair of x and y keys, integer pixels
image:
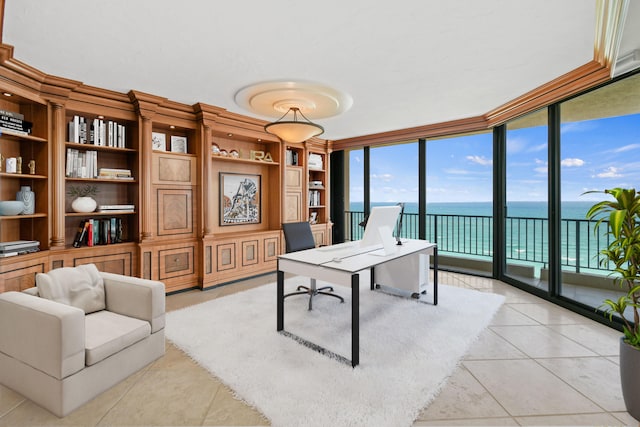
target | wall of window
[{"x": 549, "y": 161}]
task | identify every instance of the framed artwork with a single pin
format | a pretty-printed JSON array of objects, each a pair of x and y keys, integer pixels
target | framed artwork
[
  {"x": 178, "y": 144},
  {"x": 158, "y": 141},
  {"x": 240, "y": 198}
]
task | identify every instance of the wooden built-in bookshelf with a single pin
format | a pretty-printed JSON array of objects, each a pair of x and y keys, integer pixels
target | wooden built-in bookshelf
[{"x": 173, "y": 229}]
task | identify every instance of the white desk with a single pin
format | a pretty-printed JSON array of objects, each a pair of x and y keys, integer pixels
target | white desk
[{"x": 334, "y": 264}]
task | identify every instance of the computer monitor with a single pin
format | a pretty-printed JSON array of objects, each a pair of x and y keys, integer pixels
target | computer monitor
[{"x": 380, "y": 225}]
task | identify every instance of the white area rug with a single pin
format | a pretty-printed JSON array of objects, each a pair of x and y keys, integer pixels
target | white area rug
[{"x": 408, "y": 349}]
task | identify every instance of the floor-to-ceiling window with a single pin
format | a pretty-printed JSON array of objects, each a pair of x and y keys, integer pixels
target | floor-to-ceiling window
[
  {"x": 393, "y": 179},
  {"x": 526, "y": 218},
  {"x": 459, "y": 198},
  {"x": 548, "y": 159},
  {"x": 354, "y": 194},
  {"x": 600, "y": 149}
]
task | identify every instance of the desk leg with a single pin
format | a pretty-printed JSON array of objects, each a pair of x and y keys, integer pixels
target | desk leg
[
  {"x": 355, "y": 320},
  {"x": 435, "y": 276},
  {"x": 280, "y": 303},
  {"x": 373, "y": 278}
]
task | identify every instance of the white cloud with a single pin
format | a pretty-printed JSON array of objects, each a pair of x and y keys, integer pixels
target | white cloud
[
  {"x": 577, "y": 127},
  {"x": 628, "y": 147},
  {"x": 540, "y": 147},
  {"x": 610, "y": 172},
  {"x": 541, "y": 169},
  {"x": 457, "y": 171},
  {"x": 386, "y": 177},
  {"x": 481, "y": 160},
  {"x": 516, "y": 145},
  {"x": 569, "y": 162}
]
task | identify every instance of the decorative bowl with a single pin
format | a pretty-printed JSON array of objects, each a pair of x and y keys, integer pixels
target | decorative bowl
[{"x": 11, "y": 207}]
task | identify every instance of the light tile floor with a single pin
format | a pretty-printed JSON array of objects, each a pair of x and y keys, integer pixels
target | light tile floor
[{"x": 536, "y": 364}]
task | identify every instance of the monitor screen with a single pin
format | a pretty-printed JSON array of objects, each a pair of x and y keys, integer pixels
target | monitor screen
[{"x": 381, "y": 218}]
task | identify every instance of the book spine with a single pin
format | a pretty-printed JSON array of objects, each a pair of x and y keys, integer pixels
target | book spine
[
  {"x": 90, "y": 233},
  {"x": 12, "y": 114},
  {"x": 80, "y": 235}
]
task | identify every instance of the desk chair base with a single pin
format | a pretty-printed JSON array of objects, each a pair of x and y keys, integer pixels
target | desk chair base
[{"x": 313, "y": 291}]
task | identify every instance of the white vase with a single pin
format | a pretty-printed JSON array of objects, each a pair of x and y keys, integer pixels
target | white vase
[
  {"x": 84, "y": 204},
  {"x": 28, "y": 197}
]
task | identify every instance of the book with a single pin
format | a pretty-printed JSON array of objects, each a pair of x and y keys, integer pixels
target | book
[
  {"x": 81, "y": 233},
  {"x": 12, "y": 114},
  {"x": 105, "y": 233},
  {"x": 8, "y": 254},
  {"x": 13, "y": 132},
  {"x": 90, "y": 233},
  {"x": 15, "y": 124},
  {"x": 111, "y": 173},
  {"x": 115, "y": 207}
]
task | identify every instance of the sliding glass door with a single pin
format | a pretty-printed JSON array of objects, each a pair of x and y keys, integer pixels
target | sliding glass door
[
  {"x": 600, "y": 149},
  {"x": 526, "y": 231}
]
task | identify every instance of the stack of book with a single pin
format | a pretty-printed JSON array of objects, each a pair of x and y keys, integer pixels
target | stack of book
[
  {"x": 112, "y": 173},
  {"x": 18, "y": 247},
  {"x": 291, "y": 158},
  {"x": 98, "y": 231},
  {"x": 97, "y": 132},
  {"x": 82, "y": 164},
  {"x": 116, "y": 208},
  {"x": 314, "y": 198},
  {"x": 14, "y": 123}
]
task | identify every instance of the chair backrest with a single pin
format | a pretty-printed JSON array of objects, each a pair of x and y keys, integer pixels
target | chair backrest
[{"x": 298, "y": 236}]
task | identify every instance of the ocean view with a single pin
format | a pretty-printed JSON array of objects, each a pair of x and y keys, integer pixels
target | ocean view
[
  {"x": 570, "y": 210},
  {"x": 467, "y": 229}
]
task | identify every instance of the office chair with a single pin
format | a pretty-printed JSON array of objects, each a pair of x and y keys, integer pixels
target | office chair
[{"x": 298, "y": 236}]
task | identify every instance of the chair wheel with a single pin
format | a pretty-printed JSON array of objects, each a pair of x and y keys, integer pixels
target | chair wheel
[{"x": 415, "y": 295}]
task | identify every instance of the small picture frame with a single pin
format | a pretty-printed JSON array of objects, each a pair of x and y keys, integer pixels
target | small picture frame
[
  {"x": 158, "y": 141},
  {"x": 178, "y": 144},
  {"x": 240, "y": 199}
]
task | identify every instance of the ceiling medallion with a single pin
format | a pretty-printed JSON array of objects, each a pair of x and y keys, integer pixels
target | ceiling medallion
[{"x": 298, "y": 100}]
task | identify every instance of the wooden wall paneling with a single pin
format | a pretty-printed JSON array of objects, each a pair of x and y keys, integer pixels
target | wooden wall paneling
[
  {"x": 176, "y": 262},
  {"x": 226, "y": 256},
  {"x": 171, "y": 168},
  {"x": 250, "y": 252},
  {"x": 175, "y": 212},
  {"x": 19, "y": 275},
  {"x": 293, "y": 202},
  {"x": 270, "y": 252},
  {"x": 320, "y": 234}
]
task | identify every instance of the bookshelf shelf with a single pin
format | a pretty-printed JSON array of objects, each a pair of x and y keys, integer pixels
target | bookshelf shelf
[
  {"x": 246, "y": 161},
  {"x": 105, "y": 180},
  {"x": 79, "y": 146},
  {"x": 110, "y": 213},
  {"x": 35, "y": 215},
  {"x": 21, "y": 176},
  {"x": 30, "y": 138}
]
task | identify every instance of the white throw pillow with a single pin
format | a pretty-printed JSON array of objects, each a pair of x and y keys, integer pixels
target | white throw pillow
[{"x": 80, "y": 287}]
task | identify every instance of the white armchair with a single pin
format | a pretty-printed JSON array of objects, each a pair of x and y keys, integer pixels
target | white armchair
[{"x": 59, "y": 357}]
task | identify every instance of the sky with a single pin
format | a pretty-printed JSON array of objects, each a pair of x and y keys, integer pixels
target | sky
[{"x": 595, "y": 155}]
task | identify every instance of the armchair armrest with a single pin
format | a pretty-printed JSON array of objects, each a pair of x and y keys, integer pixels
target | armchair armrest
[
  {"x": 41, "y": 333},
  {"x": 135, "y": 297}
]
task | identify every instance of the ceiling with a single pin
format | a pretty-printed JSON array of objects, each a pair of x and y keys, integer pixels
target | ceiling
[{"x": 404, "y": 64}]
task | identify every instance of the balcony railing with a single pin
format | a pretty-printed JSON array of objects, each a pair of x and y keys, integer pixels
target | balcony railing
[{"x": 526, "y": 239}]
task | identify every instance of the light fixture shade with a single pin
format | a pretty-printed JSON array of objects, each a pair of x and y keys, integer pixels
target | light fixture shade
[{"x": 294, "y": 130}]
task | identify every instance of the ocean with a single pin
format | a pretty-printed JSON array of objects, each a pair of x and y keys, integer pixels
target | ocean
[
  {"x": 570, "y": 210},
  {"x": 467, "y": 229}
]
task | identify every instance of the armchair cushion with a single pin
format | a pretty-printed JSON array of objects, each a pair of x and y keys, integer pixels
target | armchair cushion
[
  {"x": 107, "y": 333},
  {"x": 80, "y": 287}
]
